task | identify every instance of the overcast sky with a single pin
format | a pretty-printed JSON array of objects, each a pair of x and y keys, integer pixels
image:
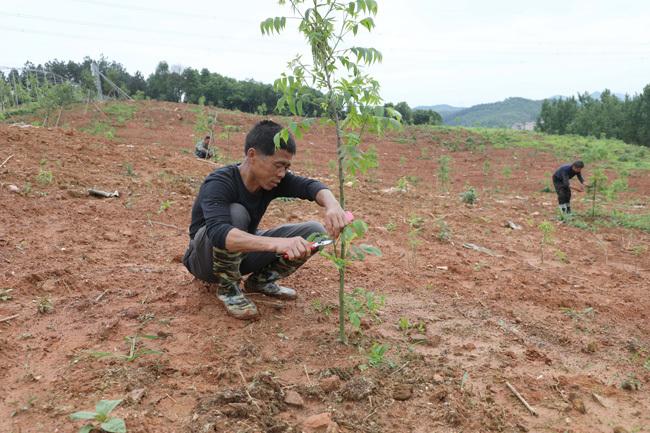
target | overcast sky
[{"x": 459, "y": 52}]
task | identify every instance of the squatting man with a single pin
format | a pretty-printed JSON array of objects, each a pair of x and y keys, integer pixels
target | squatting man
[{"x": 225, "y": 242}]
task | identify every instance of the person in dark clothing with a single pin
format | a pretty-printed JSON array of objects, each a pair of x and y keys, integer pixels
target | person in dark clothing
[
  {"x": 202, "y": 148},
  {"x": 225, "y": 241},
  {"x": 562, "y": 184}
]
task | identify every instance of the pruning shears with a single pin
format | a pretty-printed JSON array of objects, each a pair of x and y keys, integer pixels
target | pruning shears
[{"x": 315, "y": 246}]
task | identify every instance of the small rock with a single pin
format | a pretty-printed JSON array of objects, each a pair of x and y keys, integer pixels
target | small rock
[
  {"x": 332, "y": 428},
  {"x": 321, "y": 420},
  {"x": 330, "y": 384},
  {"x": 136, "y": 395},
  {"x": 579, "y": 405},
  {"x": 294, "y": 399},
  {"x": 13, "y": 188},
  {"x": 437, "y": 379},
  {"x": 402, "y": 392},
  {"x": 619, "y": 429}
]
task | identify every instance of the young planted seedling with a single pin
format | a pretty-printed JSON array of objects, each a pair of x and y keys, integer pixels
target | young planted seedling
[
  {"x": 348, "y": 97},
  {"x": 547, "y": 236},
  {"x": 598, "y": 185},
  {"x": 102, "y": 416},
  {"x": 134, "y": 351},
  {"x": 469, "y": 197},
  {"x": 444, "y": 163}
]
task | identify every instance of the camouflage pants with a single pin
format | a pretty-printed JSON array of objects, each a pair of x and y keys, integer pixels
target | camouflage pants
[{"x": 220, "y": 266}]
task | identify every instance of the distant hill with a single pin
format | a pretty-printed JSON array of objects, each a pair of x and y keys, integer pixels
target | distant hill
[
  {"x": 441, "y": 109},
  {"x": 504, "y": 114}
]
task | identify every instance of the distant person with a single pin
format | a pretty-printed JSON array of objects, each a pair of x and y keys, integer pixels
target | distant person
[
  {"x": 562, "y": 184},
  {"x": 202, "y": 149},
  {"x": 225, "y": 242}
]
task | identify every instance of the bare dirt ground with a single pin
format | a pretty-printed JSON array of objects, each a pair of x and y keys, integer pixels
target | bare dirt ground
[{"x": 80, "y": 274}]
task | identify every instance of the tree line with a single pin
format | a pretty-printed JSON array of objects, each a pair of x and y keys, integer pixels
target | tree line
[
  {"x": 608, "y": 116},
  {"x": 168, "y": 83}
]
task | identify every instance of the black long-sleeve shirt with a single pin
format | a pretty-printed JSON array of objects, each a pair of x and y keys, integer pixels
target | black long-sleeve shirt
[
  {"x": 564, "y": 173},
  {"x": 225, "y": 186}
]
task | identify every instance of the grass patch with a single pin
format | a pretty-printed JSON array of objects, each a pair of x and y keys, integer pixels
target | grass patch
[
  {"x": 101, "y": 129},
  {"x": 614, "y": 218},
  {"x": 609, "y": 153},
  {"x": 120, "y": 112}
]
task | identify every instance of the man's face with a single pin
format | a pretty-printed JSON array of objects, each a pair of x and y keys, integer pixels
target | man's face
[
  {"x": 206, "y": 140},
  {"x": 270, "y": 170},
  {"x": 577, "y": 169}
]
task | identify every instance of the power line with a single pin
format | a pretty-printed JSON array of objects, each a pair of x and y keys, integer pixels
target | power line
[
  {"x": 146, "y": 43},
  {"x": 202, "y": 16},
  {"x": 118, "y": 27}
]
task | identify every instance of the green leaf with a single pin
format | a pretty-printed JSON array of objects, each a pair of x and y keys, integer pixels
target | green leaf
[
  {"x": 368, "y": 23},
  {"x": 83, "y": 415},
  {"x": 86, "y": 429},
  {"x": 276, "y": 140},
  {"x": 114, "y": 425},
  {"x": 106, "y": 406},
  {"x": 369, "y": 249},
  {"x": 100, "y": 354}
]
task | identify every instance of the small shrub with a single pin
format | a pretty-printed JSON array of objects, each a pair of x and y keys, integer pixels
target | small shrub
[
  {"x": 469, "y": 196},
  {"x": 44, "y": 177}
]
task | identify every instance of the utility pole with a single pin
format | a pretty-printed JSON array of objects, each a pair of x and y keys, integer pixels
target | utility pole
[{"x": 95, "y": 71}]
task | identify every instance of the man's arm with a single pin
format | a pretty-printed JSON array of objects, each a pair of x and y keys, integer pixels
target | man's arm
[
  {"x": 582, "y": 181},
  {"x": 243, "y": 242},
  {"x": 334, "y": 213}
]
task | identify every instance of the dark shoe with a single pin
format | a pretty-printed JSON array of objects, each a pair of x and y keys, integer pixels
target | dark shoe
[
  {"x": 237, "y": 305},
  {"x": 271, "y": 289}
]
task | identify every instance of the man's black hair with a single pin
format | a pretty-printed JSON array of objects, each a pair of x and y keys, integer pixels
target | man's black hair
[
  {"x": 579, "y": 164},
  {"x": 261, "y": 136},
  {"x": 207, "y": 136}
]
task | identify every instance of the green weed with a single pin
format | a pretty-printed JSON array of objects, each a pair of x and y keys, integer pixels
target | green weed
[
  {"x": 469, "y": 196},
  {"x": 134, "y": 351},
  {"x": 121, "y": 112},
  {"x": 102, "y": 416},
  {"x": 361, "y": 303}
]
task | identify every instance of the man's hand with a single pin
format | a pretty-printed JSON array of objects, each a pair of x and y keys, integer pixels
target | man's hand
[
  {"x": 335, "y": 221},
  {"x": 292, "y": 248}
]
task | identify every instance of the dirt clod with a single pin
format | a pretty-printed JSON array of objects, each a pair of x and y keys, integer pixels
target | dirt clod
[
  {"x": 318, "y": 421},
  {"x": 358, "y": 388},
  {"x": 402, "y": 392},
  {"x": 330, "y": 384}
]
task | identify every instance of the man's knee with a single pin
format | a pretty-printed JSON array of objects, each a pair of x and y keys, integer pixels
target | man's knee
[
  {"x": 311, "y": 227},
  {"x": 241, "y": 219}
]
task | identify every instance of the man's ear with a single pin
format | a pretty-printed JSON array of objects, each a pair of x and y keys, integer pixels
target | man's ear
[{"x": 251, "y": 153}]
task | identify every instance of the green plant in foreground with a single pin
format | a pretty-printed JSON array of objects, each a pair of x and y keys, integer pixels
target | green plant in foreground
[
  {"x": 342, "y": 89},
  {"x": 361, "y": 303},
  {"x": 547, "y": 235},
  {"x": 469, "y": 196},
  {"x": 102, "y": 416},
  {"x": 404, "y": 324},
  {"x": 376, "y": 356},
  {"x": 134, "y": 351},
  {"x": 44, "y": 176}
]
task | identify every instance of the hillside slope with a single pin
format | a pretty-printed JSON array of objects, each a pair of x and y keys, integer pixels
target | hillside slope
[{"x": 502, "y": 114}]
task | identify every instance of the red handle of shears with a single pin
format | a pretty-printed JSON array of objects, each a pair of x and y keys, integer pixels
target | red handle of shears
[{"x": 349, "y": 217}]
